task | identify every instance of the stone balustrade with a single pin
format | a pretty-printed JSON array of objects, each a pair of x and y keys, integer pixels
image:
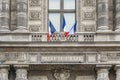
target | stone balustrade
[{"x": 60, "y": 37}]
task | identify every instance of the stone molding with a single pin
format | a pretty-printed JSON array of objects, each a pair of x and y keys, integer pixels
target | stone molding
[
  {"x": 103, "y": 66},
  {"x": 21, "y": 66},
  {"x": 69, "y": 55}
]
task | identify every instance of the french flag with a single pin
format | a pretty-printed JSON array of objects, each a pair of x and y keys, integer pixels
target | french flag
[
  {"x": 73, "y": 29},
  {"x": 64, "y": 27},
  {"x": 51, "y": 30}
]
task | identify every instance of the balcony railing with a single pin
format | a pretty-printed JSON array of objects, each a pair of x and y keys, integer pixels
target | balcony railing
[
  {"x": 88, "y": 37},
  {"x": 60, "y": 37}
]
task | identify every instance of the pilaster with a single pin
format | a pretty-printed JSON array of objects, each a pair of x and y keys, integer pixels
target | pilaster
[
  {"x": 117, "y": 68},
  {"x": 4, "y": 72},
  {"x": 21, "y": 72},
  {"x": 103, "y": 72}
]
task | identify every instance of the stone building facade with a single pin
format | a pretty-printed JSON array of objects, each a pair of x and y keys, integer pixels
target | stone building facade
[{"x": 92, "y": 53}]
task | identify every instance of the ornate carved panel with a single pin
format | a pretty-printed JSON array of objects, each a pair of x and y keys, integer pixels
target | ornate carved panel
[
  {"x": 110, "y": 57},
  {"x": 88, "y": 15},
  {"x": 91, "y": 58},
  {"x": 33, "y": 57},
  {"x": 35, "y": 28},
  {"x": 88, "y": 28},
  {"x": 35, "y": 3},
  {"x": 89, "y": 3},
  {"x": 62, "y": 74},
  {"x": 35, "y": 15}
]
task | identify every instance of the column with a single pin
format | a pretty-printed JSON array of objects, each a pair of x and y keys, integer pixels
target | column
[
  {"x": 117, "y": 15},
  {"x": 4, "y": 72},
  {"x": 117, "y": 68},
  {"x": 103, "y": 72},
  {"x": 4, "y": 15},
  {"x": 103, "y": 15},
  {"x": 21, "y": 72},
  {"x": 22, "y": 15}
]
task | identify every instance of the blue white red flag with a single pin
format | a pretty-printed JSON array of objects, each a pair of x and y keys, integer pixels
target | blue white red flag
[
  {"x": 51, "y": 30},
  {"x": 73, "y": 29},
  {"x": 63, "y": 24},
  {"x": 64, "y": 27}
]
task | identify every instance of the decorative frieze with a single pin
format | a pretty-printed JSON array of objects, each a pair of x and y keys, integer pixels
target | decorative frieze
[
  {"x": 40, "y": 58},
  {"x": 110, "y": 57},
  {"x": 46, "y": 55},
  {"x": 13, "y": 57}
]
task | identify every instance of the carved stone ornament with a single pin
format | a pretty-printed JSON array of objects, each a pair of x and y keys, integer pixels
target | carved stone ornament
[
  {"x": 62, "y": 74},
  {"x": 21, "y": 72}
]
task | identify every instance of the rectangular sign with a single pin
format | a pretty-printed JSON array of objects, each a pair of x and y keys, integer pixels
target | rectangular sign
[{"x": 62, "y": 58}]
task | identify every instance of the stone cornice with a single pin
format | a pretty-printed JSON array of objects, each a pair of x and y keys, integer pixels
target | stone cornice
[
  {"x": 21, "y": 66},
  {"x": 60, "y": 44}
]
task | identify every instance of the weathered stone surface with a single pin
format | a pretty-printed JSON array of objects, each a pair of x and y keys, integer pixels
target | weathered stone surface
[
  {"x": 4, "y": 15},
  {"x": 72, "y": 58}
]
